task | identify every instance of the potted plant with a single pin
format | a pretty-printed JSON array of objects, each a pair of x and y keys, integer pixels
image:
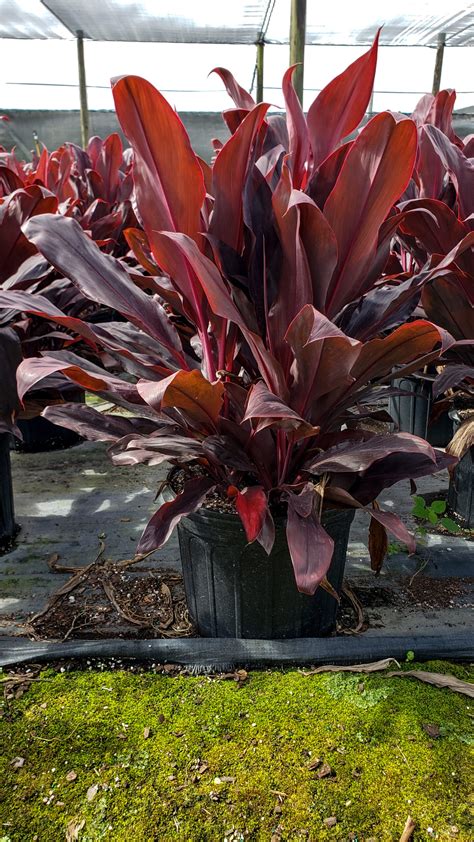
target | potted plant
[
  {"x": 240, "y": 372},
  {"x": 93, "y": 187},
  {"x": 436, "y": 207}
]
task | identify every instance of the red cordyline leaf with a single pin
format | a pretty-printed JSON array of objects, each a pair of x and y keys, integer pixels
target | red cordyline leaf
[
  {"x": 108, "y": 165},
  {"x": 359, "y": 456},
  {"x": 252, "y": 504},
  {"x": 269, "y": 410},
  {"x": 19, "y": 207},
  {"x": 311, "y": 548},
  {"x": 377, "y": 170},
  {"x": 33, "y": 370},
  {"x": 169, "y": 183},
  {"x": 389, "y": 521},
  {"x": 234, "y": 158},
  {"x": 240, "y": 97},
  {"x": 341, "y": 105},
  {"x": 452, "y": 376},
  {"x": 460, "y": 168},
  {"x": 161, "y": 525},
  {"x": 95, "y": 425},
  {"x": 186, "y": 390},
  {"x": 297, "y": 132},
  {"x": 449, "y": 304},
  {"x": 101, "y": 277}
]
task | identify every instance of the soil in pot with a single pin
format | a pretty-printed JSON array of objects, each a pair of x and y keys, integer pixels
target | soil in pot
[{"x": 235, "y": 590}]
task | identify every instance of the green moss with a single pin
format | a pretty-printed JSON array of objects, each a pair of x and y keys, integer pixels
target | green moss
[{"x": 262, "y": 736}]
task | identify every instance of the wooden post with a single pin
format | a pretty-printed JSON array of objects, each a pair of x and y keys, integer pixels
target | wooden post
[
  {"x": 260, "y": 56},
  {"x": 297, "y": 42},
  {"x": 82, "y": 90},
  {"x": 439, "y": 62}
]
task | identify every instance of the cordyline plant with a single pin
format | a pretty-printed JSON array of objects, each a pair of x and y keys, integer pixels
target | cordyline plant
[
  {"x": 255, "y": 390},
  {"x": 94, "y": 187}
]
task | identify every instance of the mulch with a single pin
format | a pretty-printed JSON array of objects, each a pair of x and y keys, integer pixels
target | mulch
[{"x": 108, "y": 599}]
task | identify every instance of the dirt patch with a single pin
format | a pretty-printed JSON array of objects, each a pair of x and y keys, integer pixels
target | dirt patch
[
  {"x": 426, "y": 592},
  {"x": 104, "y": 600}
]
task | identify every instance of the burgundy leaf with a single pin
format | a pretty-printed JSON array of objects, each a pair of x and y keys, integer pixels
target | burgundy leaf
[
  {"x": 311, "y": 548},
  {"x": 297, "y": 132},
  {"x": 377, "y": 170},
  {"x": 359, "y": 456},
  {"x": 252, "y": 505},
  {"x": 234, "y": 157},
  {"x": 101, "y": 277},
  {"x": 169, "y": 184},
  {"x": 341, "y": 105},
  {"x": 240, "y": 97},
  {"x": 161, "y": 525},
  {"x": 95, "y": 425},
  {"x": 187, "y": 390}
]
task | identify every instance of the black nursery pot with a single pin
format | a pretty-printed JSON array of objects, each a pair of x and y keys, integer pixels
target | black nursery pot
[
  {"x": 8, "y": 526},
  {"x": 234, "y": 589},
  {"x": 411, "y": 413},
  {"x": 461, "y": 484},
  {"x": 40, "y": 435}
]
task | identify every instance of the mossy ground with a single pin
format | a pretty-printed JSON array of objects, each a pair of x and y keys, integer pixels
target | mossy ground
[{"x": 258, "y": 739}]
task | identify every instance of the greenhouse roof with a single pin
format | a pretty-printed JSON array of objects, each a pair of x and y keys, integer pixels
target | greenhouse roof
[{"x": 239, "y": 22}]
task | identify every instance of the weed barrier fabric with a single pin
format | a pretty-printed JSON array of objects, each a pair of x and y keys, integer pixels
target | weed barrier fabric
[{"x": 222, "y": 654}]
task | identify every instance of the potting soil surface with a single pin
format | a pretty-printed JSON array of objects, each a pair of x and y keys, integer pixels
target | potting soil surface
[{"x": 76, "y": 510}]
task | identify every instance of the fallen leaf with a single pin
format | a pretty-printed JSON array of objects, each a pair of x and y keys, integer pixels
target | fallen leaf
[
  {"x": 17, "y": 762},
  {"x": 146, "y": 733},
  {"x": 73, "y": 830},
  {"x": 315, "y": 764},
  {"x": 432, "y": 730},
  {"x": 203, "y": 768},
  {"x": 92, "y": 792},
  {"x": 408, "y": 830},
  {"x": 71, "y": 776},
  {"x": 374, "y": 667},
  {"x": 325, "y": 771},
  {"x": 331, "y": 821},
  {"x": 438, "y": 680}
]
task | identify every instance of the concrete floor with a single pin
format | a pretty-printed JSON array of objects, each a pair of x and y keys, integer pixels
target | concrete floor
[{"x": 67, "y": 501}]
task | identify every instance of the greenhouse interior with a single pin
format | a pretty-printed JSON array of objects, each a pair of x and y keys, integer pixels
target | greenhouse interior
[{"x": 236, "y": 421}]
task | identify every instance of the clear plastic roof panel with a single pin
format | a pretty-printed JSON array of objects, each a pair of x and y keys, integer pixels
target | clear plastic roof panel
[
  {"x": 237, "y": 22},
  {"x": 178, "y": 21},
  {"x": 405, "y": 23},
  {"x": 29, "y": 19}
]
